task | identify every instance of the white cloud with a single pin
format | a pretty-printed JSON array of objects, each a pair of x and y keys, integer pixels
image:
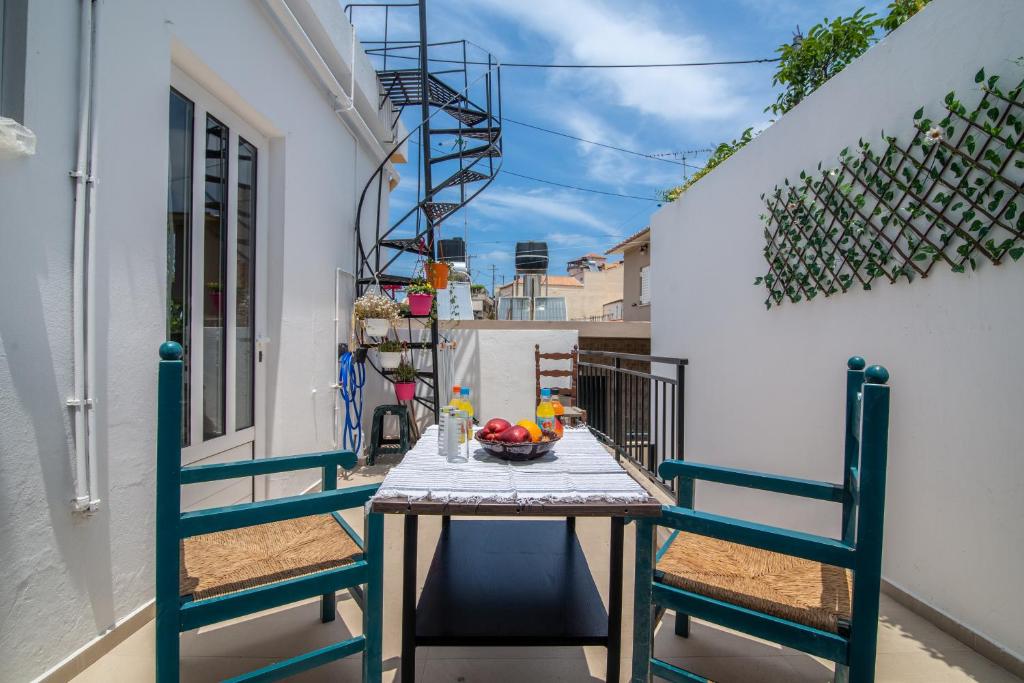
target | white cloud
[
  {"x": 595, "y": 32},
  {"x": 560, "y": 207}
]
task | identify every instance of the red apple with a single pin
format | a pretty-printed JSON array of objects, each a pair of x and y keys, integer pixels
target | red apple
[
  {"x": 496, "y": 426},
  {"x": 514, "y": 435}
]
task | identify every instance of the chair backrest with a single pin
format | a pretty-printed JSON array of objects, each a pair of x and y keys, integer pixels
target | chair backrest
[
  {"x": 866, "y": 455},
  {"x": 573, "y": 374}
]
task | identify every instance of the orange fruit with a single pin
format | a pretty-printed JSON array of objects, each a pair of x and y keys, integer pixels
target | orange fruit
[{"x": 530, "y": 426}]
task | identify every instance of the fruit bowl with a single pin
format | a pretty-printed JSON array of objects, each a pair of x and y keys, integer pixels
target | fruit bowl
[{"x": 517, "y": 452}]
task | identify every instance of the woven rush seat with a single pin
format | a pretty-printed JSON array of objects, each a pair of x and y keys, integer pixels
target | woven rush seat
[
  {"x": 239, "y": 559},
  {"x": 807, "y": 592}
]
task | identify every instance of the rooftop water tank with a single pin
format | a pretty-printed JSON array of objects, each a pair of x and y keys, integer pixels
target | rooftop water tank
[
  {"x": 451, "y": 250},
  {"x": 532, "y": 257}
]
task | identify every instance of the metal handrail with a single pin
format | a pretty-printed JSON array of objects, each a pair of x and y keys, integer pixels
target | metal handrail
[{"x": 637, "y": 413}]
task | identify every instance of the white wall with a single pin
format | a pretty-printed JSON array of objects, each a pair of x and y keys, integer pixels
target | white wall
[
  {"x": 68, "y": 578},
  {"x": 498, "y": 366},
  {"x": 765, "y": 388}
]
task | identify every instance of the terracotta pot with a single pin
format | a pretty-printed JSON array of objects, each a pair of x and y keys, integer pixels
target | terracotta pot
[
  {"x": 437, "y": 275},
  {"x": 389, "y": 360},
  {"x": 377, "y": 327},
  {"x": 405, "y": 391},
  {"x": 419, "y": 304}
]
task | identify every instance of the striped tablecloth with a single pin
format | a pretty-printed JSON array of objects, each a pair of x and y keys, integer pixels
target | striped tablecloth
[{"x": 577, "y": 470}]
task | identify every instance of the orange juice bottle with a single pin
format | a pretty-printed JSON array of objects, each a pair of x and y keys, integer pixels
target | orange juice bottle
[{"x": 559, "y": 409}]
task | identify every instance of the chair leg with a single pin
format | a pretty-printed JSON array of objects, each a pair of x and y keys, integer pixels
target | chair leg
[
  {"x": 842, "y": 674},
  {"x": 373, "y": 608},
  {"x": 328, "y": 607},
  {"x": 168, "y": 646},
  {"x": 643, "y": 626},
  {"x": 682, "y": 625},
  {"x": 570, "y": 524}
]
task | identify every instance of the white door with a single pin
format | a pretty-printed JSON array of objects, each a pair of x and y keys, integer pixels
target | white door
[{"x": 216, "y": 232}]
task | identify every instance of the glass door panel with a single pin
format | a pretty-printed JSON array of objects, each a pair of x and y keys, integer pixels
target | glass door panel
[
  {"x": 215, "y": 250},
  {"x": 245, "y": 286}
]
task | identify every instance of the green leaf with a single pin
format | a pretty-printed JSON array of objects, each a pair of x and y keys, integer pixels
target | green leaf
[
  {"x": 980, "y": 76},
  {"x": 919, "y": 113},
  {"x": 1016, "y": 253}
]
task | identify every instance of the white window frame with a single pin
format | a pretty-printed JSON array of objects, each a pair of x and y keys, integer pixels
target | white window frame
[
  {"x": 645, "y": 285},
  {"x": 206, "y": 103}
]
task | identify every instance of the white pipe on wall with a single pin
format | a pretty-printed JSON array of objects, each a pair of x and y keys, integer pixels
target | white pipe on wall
[
  {"x": 90, "y": 268},
  {"x": 82, "y": 501}
]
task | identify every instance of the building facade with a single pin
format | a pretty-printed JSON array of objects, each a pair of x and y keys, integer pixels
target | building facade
[
  {"x": 216, "y": 159},
  {"x": 636, "y": 263}
]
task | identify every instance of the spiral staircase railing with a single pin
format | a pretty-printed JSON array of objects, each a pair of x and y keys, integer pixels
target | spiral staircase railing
[{"x": 472, "y": 129}]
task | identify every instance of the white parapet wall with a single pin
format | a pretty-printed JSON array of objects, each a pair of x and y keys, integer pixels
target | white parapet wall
[{"x": 765, "y": 387}]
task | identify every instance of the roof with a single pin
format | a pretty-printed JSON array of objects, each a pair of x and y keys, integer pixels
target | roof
[
  {"x": 634, "y": 240},
  {"x": 587, "y": 257}
]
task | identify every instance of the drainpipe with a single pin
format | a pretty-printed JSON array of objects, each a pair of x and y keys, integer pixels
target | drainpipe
[
  {"x": 80, "y": 401},
  {"x": 344, "y": 104}
]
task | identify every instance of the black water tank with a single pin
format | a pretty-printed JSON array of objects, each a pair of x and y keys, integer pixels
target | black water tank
[
  {"x": 451, "y": 250},
  {"x": 532, "y": 256}
]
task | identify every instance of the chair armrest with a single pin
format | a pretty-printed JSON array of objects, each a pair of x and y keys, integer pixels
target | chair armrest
[
  {"x": 263, "y": 512},
  {"x": 251, "y": 468},
  {"x": 806, "y": 488},
  {"x": 775, "y": 539}
]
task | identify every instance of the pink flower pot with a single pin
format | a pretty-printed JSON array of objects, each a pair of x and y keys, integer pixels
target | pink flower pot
[
  {"x": 405, "y": 391},
  {"x": 419, "y": 304}
]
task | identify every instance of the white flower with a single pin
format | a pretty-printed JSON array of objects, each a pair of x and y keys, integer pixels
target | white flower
[
  {"x": 834, "y": 172},
  {"x": 933, "y": 135},
  {"x": 791, "y": 206}
]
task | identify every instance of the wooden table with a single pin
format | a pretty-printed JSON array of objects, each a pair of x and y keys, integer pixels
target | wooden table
[{"x": 510, "y": 582}]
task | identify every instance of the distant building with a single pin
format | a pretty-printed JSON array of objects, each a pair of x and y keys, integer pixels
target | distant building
[
  {"x": 636, "y": 288},
  {"x": 588, "y": 263},
  {"x": 612, "y": 311},
  {"x": 585, "y": 293}
]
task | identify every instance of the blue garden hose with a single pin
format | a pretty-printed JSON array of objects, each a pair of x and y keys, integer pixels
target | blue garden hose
[{"x": 351, "y": 378}]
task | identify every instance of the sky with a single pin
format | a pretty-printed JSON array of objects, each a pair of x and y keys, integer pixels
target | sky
[{"x": 654, "y": 111}]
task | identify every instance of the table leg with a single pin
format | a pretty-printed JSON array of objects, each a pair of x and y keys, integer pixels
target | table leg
[
  {"x": 615, "y": 600},
  {"x": 409, "y": 599}
]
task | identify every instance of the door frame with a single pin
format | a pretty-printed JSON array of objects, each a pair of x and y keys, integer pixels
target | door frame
[{"x": 205, "y": 102}]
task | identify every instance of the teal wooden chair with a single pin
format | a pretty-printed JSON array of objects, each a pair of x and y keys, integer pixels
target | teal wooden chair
[
  {"x": 808, "y": 592},
  {"x": 221, "y": 563}
]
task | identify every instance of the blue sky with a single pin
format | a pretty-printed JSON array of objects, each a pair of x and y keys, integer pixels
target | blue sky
[{"x": 648, "y": 110}]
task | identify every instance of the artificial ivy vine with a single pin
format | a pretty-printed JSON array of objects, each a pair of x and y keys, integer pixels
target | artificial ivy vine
[{"x": 951, "y": 195}]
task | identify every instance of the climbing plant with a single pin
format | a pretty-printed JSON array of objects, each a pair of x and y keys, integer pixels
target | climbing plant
[{"x": 951, "y": 194}]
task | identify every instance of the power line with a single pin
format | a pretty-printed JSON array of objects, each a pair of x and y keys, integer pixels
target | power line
[
  {"x": 600, "y": 144},
  {"x": 581, "y": 189}
]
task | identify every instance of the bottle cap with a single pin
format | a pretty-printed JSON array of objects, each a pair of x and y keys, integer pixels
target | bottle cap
[
  {"x": 545, "y": 393},
  {"x": 464, "y": 391},
  {"x": 455, "y": 389}
]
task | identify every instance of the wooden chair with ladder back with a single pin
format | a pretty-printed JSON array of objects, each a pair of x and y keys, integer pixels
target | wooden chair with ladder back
[
  {"x": 221, "y": 563},
  {"x": 573, "y": 414},
  {"x": 808, "y": 592}
]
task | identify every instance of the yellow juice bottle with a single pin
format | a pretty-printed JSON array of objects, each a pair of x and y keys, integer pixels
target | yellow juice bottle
[
  {"x": 545, "y": 412},
  {"x": 466, "y": 405}
]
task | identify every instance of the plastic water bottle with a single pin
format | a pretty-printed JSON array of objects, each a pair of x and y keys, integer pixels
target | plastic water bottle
[
  {"x": 458, "y": 438},
  {"x": 444, "y": 422}
]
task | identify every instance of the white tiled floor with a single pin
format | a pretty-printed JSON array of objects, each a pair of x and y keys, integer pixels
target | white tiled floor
[{"x": 910, "y": 649}]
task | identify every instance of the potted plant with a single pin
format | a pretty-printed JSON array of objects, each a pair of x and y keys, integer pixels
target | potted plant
[
  {"x": 390, "y": 351},
  {"x": 420, "y": 295},
  {"x": 437, "y": 273},
  {"x": 405, "y": 381},
  {"x": 376, "y": 311}
]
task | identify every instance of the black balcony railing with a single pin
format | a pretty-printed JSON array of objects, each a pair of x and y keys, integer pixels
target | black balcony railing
[{"x": 634, "y": 404}]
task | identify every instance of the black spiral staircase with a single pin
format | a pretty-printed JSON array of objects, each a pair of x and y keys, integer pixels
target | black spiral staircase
[{"x": 457, "y": 132}]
